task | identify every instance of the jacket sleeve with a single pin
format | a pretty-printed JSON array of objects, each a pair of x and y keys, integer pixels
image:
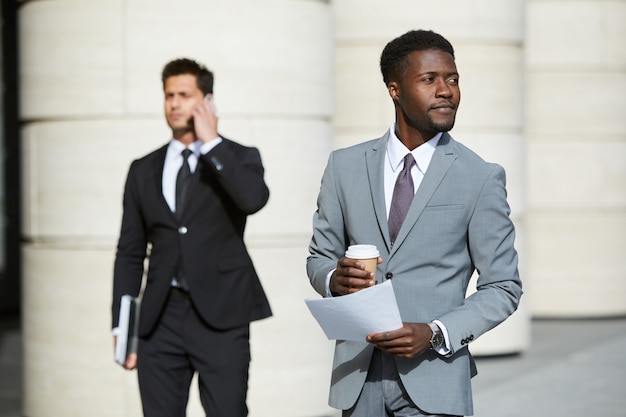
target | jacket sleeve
[
  {"x": 491, "y": 238},
  {"x": 239, "y": 171},
  {"x": 131, "y": 249},
  {"x": 328, "y": 240}
]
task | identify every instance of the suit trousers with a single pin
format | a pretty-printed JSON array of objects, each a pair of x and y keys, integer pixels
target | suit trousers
[
  {"x": 181, "y": 345},
  {"x": 383, "y": 394}
]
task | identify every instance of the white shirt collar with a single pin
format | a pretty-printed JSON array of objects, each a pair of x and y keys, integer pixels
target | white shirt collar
[
  {"x": 176, "y": 147},
  {"x": 396, "y": 151}
]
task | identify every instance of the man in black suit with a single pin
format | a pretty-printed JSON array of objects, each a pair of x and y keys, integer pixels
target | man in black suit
[{"x": 201, "y": 289}]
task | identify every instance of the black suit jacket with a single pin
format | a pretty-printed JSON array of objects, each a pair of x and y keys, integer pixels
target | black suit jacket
[{"x": 226, "y": 187}]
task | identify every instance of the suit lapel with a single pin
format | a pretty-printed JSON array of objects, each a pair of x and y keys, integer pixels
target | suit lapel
[
  {"x": 157, "y": 177},
  {"x": 442, "y": 159},
  {"x": 375, "y": 160}
]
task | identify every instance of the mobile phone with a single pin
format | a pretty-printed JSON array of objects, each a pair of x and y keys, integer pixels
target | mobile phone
[{"x": 209, "y": 99}]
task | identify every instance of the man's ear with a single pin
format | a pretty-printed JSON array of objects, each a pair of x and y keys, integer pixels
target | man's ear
[{"x": 394, "y": 90}]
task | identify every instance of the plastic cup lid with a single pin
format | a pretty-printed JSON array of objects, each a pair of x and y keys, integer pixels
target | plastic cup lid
[{"x": 362, "y": 252}]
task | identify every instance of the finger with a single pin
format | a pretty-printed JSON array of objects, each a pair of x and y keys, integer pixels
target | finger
[
  {"x": 393, "y": 336},
  {"x": 131, "y": 361},
  {"x": 357, "y": 284},
  {"x": 206, "y": 113},
  {"x": 356, "y": 272},
  {"x": 376, "y": 338},
  {"x": 349, "y": 262},
  {"x": 202, "y": 108}
]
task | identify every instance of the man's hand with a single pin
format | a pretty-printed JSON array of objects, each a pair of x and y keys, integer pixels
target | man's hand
[
  {"x": 205, "y": 120},
  {"x": 131, "y": 360},
  {"x": 351, "y": 276},
  {"x": 411, "y": 340}
]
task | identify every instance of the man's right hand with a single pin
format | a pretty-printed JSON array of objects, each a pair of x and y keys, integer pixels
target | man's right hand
[
  {"x": 131, "y": 360},
  {"x": 205, "y": 120},
  {"x": 351, "y": 276}
]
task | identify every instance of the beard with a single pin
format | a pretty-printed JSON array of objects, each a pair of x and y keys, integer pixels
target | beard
[
  {"x": 182, "y": 127},
  {"x": 443, "y": 126}
]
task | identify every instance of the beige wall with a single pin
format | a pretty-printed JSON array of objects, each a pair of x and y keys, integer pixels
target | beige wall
[
  {"x": 576, "y": 157},
  {"x": 297, "y": 79}
]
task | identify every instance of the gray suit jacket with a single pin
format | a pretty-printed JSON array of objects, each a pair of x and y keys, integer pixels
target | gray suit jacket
[{"x": 458, "y": 222}]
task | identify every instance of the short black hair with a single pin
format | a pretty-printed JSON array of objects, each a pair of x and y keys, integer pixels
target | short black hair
[
  {"x": 393, "y": 60},
  {"x": 181, "y": 66}
]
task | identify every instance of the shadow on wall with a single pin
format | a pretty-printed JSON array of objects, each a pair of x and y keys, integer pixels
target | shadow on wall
[
  {"x": 10, "y": 365},
  {"x": 9, "y": 296}
]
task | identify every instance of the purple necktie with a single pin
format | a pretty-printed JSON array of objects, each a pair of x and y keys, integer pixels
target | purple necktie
[{"x": 403, "y": 194}]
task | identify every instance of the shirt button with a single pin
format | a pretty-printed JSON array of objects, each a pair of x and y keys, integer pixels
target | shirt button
[{"x": 182, "y": 230}]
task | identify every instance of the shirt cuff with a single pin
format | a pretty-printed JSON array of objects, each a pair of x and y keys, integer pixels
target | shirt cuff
[
  {"x": 116, "y": 331},
  {"x": 206, "y": 147},
  {"x": 330, "y": 274}
]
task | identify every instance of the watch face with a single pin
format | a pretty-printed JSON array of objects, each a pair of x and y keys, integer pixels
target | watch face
[{"x": 437, "y": 340}]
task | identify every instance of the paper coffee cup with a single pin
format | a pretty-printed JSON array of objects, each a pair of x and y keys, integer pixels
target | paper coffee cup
[{"x": 367, "y": 254}]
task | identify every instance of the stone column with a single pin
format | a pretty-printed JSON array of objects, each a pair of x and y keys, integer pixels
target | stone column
[
  {"x": 91, "y": 99},
  {"x": 576, "y": 149},
  {"x": 488, "y": 40}
]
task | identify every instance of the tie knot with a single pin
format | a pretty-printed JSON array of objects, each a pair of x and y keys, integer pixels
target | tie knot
[
  {"x": 186, "y": 152},
  {"x": 409, "y": 161}
]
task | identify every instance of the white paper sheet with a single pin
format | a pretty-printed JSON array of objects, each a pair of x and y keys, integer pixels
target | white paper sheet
[{"x": 354, "y": 316}]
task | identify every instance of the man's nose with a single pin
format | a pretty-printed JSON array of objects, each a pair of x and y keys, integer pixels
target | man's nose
[{"x": 443, "y": 89}]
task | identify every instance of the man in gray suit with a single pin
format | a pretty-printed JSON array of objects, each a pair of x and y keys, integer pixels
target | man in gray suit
[{"x": 456, "y": 221}]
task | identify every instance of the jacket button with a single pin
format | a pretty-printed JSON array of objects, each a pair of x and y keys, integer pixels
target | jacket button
[
  {"x": 217, "y": 164},
  {"x": 182, "y": 230},
  {"x": 389, "y": 275}
]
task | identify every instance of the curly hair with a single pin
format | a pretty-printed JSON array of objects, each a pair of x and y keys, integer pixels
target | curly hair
[
  {"x": 394, "y": 58},
  {"x": 204, "y": 77}
]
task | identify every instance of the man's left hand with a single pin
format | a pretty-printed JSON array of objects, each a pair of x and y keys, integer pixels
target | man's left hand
[{"x": 411, "y": 340}]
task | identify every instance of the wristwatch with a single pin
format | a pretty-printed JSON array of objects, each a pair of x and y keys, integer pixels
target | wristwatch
[{"x": 437, "y": 340}]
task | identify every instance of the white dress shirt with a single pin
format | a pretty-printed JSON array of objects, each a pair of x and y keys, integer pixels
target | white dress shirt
[
  {"x": 174, "y": 160},
  {"x": 396, "y": 151}
]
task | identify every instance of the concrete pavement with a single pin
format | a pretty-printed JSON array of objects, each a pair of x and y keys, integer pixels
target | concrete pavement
[{"x": 574, "y": 368}]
